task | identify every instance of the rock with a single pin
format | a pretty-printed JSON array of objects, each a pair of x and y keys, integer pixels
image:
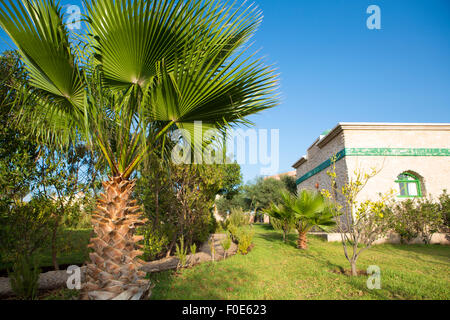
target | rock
[
  {"x": 47, "y": 281},
  {"x": 161, "y": 265}
]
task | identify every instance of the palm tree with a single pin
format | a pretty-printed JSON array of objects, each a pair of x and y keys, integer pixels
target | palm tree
[
  {"x": 283, "y": 214},
  {"x": 138, "y": 71},
  {"x": 306, "y": 210},
  {"x": 310, "y": 210}
]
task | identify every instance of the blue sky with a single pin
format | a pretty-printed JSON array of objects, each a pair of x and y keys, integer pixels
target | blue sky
[{"x": 334, "y": 69}]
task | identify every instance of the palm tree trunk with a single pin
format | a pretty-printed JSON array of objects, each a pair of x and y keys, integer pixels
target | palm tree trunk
[
  {"x": 302, "y": 240},
  {"x": 114, "y": 271}
]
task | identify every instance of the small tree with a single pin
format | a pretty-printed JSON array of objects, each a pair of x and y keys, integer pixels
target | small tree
[
  {"x": 363, "y": 222},
  {"x": 310, "y": 210},
  {"x": 304, "y": 211}
]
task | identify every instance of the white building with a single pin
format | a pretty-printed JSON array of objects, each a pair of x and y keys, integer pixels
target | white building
[{"x": 414, "y": 158}]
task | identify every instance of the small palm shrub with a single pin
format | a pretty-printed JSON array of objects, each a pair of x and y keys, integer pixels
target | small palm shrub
[
  {"x": 181, "y": 253},
  {"x": 193, "y": 248},
  {"x": 24, "y": 278}
]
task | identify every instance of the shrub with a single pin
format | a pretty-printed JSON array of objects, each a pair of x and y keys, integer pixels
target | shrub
[
  {"x": 193, "y": 249},
  {"x": 25, "y": 278},
  {"x": 444, "y": 204},
  {"x": 238, "y": 218},
  {"x": 223, "y": 226},
  {"x": 245, "y": 239},
  {"x": 25, "y": 229},
  {"x": 403, "y": 222},
  {"x": 419, "y": 217},
  {"x": 155, "y": 242},
  {"x": 181, "y": 253},
  {"x": 233, "y": 230},
  {"x": 226, "y": 244}
]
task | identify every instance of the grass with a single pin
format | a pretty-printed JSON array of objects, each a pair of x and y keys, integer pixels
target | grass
[{"x": 275, "y": 270}]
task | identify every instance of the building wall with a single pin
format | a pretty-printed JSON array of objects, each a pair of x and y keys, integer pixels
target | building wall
[
  {"x": 434, "y": 171},
  {"x": 316, "y": 156}
]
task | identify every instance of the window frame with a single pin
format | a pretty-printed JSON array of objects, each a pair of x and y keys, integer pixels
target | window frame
[{"x": 415, "y": 180}]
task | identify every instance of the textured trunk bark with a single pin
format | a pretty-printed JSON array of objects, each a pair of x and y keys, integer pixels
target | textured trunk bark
[
  {"x": 302, "y": 240},
  {"x": 114, "y": 271},
  {"x": 353, "y": 266}
]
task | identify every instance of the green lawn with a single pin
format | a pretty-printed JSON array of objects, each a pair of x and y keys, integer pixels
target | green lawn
[{"x": 274, "y": 270}]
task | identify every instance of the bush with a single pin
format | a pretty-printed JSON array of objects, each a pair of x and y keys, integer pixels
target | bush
[
  {"x": 226, "y": 244},
  {"x": 238, "y": 218},
  {"x": 416, "y": 218},
  {"x": 245, "y": 239},
  {"x": 181, "y": 253},
  {"x": 25, "y": 229},
  {"x": 155, "y": 242},
  {"x": 444, "y": 204},
  {"x": 233, "y": 230},
  {"x": 25, "y": 278}
]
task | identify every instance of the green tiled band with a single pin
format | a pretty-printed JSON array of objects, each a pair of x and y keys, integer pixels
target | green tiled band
[{"x": 377, "y": 152}]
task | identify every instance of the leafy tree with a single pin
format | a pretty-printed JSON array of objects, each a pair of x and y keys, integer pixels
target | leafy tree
[
  {"x": 264, "y": 192},
  {"x": 139, "y": 70},
  {"x": 24, "y": 229},
  {"x": 226, "y": 206},
  {"x": 362, "y": 223},
  {"x": 290, "y": 183},
  {"x": 18, "y": 152},
  {"x": 256, "y": 196},
  {"x": 63, "y": 179},
  {"x": 231, "y": 180}
]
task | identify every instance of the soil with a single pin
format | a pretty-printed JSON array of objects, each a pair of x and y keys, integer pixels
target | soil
[{"x": 348, "y": 272}]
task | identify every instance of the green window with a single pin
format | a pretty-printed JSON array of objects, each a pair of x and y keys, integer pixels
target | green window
[{"x": 409, "y": 186}]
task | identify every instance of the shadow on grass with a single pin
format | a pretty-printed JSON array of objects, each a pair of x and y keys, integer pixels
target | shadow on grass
[
  {"x": 440, "y": 252},
  {"x": 209, "y": 281}
]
